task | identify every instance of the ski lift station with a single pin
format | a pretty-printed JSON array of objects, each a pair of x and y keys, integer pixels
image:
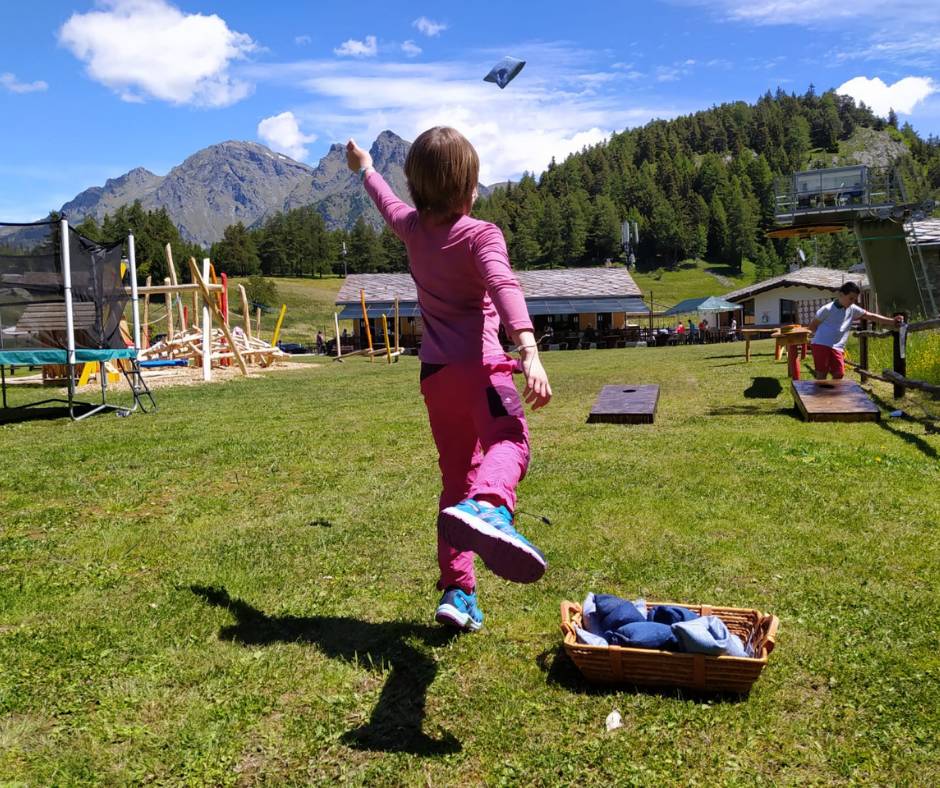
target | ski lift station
[{"x": 874, "y": 203}]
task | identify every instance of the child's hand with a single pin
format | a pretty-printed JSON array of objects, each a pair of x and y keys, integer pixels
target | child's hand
[
  {"x": 537, "y": 390},
  {"x": 357, "y": 158}
]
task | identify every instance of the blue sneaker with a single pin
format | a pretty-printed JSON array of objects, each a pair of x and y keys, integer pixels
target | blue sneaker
[
  {"x": 459, "y": 609},
  {"x": 487, "y": 531}
]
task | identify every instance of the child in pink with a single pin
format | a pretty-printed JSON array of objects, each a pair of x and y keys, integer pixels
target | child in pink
[{"x": 465, "y": 289}]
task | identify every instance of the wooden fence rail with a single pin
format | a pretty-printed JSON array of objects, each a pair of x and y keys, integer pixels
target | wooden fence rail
[{"x": 898, "y": 375}]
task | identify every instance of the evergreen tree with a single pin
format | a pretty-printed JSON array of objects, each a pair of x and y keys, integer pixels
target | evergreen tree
[
  {"x": 550, "y": 235},
  {"x": 574, "y": 214},
  {"x": 396, "y": 256},
  {"x": 236, "y": 253},
  {"x": 604, "y": 235}
]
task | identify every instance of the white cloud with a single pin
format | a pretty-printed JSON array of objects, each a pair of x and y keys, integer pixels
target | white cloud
[
  {"x": 282, "y": 133},
  {"x": 302, "y": 41},
  {"x": 564, "y": 106},
  {"x": 902, "y": 96},
  {"x": 149, "y": 48},
  {"x": 11, "y": 83},
  {"x": 903, "y": 31},
  {"x": 411, "y": 49},
  {"x": 429, "y": 27},
  {"x": 354, "y": 48},
  {"x": 806, "y": 12}
]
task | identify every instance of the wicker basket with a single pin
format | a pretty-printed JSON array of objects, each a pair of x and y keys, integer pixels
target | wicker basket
[{"x": 619, "y": 665}]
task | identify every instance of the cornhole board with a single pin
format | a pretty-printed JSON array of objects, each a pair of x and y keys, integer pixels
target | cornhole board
[
  {"x": 833, "y": 400},
  {"x": 625, "y": 404}
]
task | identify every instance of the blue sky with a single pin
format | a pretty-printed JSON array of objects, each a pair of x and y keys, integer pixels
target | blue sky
[{"x": 90, "y": 89}]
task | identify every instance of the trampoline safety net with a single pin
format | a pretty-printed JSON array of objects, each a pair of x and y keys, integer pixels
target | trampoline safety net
[{"x": 33, "y": 324}]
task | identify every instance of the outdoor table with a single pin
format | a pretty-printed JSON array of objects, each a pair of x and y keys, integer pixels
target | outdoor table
[
  {"x": 794, "y": 339},
  {"x": 748, "y": 334}
]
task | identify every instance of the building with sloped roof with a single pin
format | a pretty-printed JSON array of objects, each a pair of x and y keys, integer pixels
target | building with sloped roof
[
  {"x": 793, "y": 297},
  {"x": 567, "y": 299}
]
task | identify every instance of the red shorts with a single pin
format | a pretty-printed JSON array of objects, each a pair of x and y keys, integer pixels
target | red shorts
[{"x": 828, "y": 360}]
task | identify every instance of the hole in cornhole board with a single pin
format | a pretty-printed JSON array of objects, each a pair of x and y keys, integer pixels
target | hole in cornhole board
[
  {"x": 625, "y": 404},
  {"x": 837, "y": 400}
]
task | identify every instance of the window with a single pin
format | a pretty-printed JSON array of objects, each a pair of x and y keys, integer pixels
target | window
[
  {"x": 748, "y": 307},
  {"x": 788, "y": 311}
]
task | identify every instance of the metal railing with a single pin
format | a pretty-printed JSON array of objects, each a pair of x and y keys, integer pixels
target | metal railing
[{"x": 838, "y": 188}]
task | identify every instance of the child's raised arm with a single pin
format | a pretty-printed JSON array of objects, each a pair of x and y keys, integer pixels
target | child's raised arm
[{"x": 393, "y": 210}]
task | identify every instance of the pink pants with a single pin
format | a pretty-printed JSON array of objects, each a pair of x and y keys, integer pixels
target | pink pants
[{"x": 482, "y": 442}]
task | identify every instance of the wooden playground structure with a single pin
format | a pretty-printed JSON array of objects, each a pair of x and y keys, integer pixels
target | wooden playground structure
[
  {"x": 388, "y": 350},
  {"x": 213, "y": 342}
]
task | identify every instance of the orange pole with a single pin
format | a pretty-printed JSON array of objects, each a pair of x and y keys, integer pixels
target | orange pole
[{"x": 365, "y": 319}]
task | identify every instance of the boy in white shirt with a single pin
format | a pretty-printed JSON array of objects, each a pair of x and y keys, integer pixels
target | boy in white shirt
[{"x": 832, "y": 325}]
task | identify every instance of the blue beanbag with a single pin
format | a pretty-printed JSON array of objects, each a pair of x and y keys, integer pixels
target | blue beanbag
[
  {"x": 708, "y": 635},
  {"x": 644, "y": 634},
  {"x": 505, "y": 71},
  {"x": 612, "y": 612},
  {"x": 670, "y": 614}
]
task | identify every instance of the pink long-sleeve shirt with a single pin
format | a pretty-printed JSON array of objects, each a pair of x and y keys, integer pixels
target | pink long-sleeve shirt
[{"x": 464, "y": 281}]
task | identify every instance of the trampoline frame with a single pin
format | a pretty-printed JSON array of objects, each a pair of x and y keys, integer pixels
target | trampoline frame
[{"x": 138, "y": 388}]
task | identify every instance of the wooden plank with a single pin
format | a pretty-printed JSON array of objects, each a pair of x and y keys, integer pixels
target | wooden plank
[
  {"x": 197, "y": 278},
  {"x": 625, "y": 404},
  {"x": 833, "y": 400},
  {"x": 173, "y": 281}
]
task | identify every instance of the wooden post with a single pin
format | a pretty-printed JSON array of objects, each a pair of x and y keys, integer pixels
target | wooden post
[
  {"x": 277, "y": 328},
  {"x": 206, "y": 323},
  {"x": 224, "y": 295},
  {"x": 651, "y": 311},
  {"x": 365, "y": 319},
  {"x": 388, "y": 345},
  {"x": 863, "y": 352},
  {"x": 171, "y": 270},
  {"x": 793, "y": 361},
  {"x": 258, "y": 320},
  {"x": 397, "y": 335},
  {"x": 195, "y": 305},
  {"x": 225, "y": 329},
  {"x": 246, "y": 317},
  {"x": 339, "y": 344},
  {"x": 147, "y": 316},
  {"x": 169, "y": 311},
  {"x": 900, "y": 358}
]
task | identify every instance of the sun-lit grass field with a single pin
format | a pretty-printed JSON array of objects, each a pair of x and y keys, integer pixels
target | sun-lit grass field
[{"x": 239, "y": 588}]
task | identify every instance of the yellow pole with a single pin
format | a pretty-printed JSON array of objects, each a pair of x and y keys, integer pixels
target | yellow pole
[
  {"x": 365, "y": 319},
  {"x": 277, "y": 328},
  {"x": 388, "y": 345}
]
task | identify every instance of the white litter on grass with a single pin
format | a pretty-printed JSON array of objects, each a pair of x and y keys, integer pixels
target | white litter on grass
[{"x": 614, "y": 720}]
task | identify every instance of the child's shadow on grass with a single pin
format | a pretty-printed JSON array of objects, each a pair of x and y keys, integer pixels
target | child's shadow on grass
[{"x": 395, "y": 724}]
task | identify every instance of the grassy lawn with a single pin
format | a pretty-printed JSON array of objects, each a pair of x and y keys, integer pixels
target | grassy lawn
[{"x": 239, "y": 588}]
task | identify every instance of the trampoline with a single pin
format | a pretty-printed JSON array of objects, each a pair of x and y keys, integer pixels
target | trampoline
[{"x": 62, "y": 302}]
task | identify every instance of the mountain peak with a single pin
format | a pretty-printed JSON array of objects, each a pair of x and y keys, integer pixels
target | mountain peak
[{"x": 240, "y": 180}]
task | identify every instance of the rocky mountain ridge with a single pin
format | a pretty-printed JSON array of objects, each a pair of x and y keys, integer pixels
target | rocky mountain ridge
[{"x": 247, "y": 182}]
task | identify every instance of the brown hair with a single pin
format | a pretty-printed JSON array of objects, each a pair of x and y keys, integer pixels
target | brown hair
[{"x": 442, "y": 170}]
